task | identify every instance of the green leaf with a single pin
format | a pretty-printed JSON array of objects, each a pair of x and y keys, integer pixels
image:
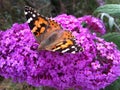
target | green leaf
[
  {"x": 112, "y": 9},
  {"x": 113, "y": 37},
  {"x": 114, "y": 86},
  {"x": 111, "y": 22}
]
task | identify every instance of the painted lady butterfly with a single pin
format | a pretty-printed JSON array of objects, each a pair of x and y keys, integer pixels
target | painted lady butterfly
[{"x": 50, "y": 34}]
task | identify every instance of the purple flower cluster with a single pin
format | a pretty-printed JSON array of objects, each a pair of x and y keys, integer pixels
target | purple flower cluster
[
  {"x": 93, "y": 23},
  {"x": 70, "y": 22},
  {"x": 97, "y": 66}
]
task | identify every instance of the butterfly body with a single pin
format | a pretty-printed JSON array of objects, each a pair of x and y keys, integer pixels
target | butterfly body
[{"x": 50, "y": 34}]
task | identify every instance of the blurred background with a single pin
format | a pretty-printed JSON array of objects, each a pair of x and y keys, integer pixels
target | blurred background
[{"x": 12, "y": 11}]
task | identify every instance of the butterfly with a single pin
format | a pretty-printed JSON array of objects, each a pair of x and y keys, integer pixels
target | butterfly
[{"x": 49, "y": 34}]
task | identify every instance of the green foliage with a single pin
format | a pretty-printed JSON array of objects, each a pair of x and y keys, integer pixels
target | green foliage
[
  {"x": 112, "y": 9},
  {"x": 7, "y": 84},
  {"x": 109, "y": 13},
  {"x": 112, "y": 1},
  {"x": 114, "y": 86},
  {"x": 113, "y": 37},
  {"x": 11, "y": 11}
]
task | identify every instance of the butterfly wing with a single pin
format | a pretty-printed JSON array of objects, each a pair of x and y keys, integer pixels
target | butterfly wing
[
  {"x": 40, "y": 24},
  {"x": 37, "y": 23},
  {"x": 68, "y": 46},
  {"x": 60, "y": 41},
  {"x": 54, "y": 25}
]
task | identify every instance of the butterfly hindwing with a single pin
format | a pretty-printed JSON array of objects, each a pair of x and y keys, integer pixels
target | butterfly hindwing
[
  {"x": 54, "y": 25},
  {"x": 68, "y": 46}
]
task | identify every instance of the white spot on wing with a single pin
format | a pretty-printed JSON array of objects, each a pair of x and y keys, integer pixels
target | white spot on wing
[
  {"x": 33, "y": 15},
  {"x": 26, "y": 13},
  {"x": 38, "y": 14},
  {"x": 56, "y": 49},
  {"x": 73, "y": 47},
  {"x": 73, "y": 52},
  {"x": 65, "y": 50},
  {"x": 35, "y": 11},
  {"x": 29, "y": 20}
]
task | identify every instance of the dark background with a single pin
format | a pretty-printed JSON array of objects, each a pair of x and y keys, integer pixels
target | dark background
[{"x": 12, "y": 11}]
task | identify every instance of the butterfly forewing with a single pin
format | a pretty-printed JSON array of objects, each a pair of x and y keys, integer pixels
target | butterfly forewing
[{"x": 37, "y": 23}]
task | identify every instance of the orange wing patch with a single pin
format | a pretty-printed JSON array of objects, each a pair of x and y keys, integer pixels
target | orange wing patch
[
  {"x": 65, "y": 44},
  {"x": 54, "y": 25},
  {"x": 40, "y": 21},
  {"x": 67, "y": 34},
  {"x": 41, "y": 25}
]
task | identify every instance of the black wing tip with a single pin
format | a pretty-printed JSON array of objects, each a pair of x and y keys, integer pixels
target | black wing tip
[
  {"x": 27, "y": 8},
  {"x": 30, "y": 9}
]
